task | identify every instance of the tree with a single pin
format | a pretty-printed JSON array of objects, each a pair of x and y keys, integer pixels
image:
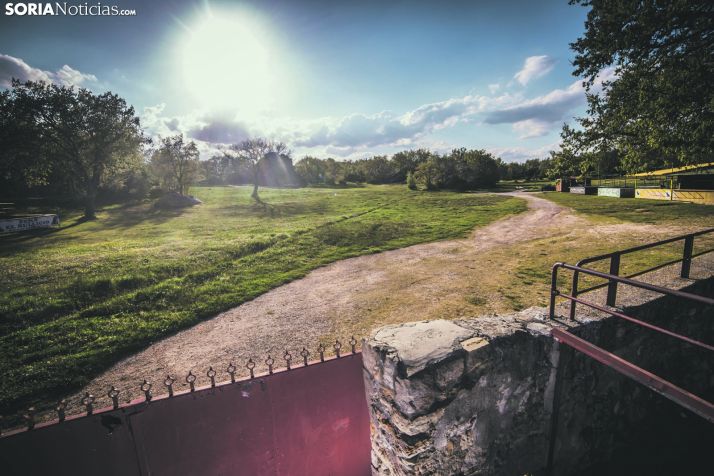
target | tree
[
  {"x": 407, "y": 161},
  {"x": 252, "y": 151},
  {"x": 83, "y": 137},
  {"x": 378, "y": 169},
  {"x": 658, "y": 108},
  {"x": 175, "y": 163},
  {"x": 469, "y": 169},
  {"x": 311, "y": 170},
  {"x": 411, "y": 181},
  {"x": 429, "y": 173}
]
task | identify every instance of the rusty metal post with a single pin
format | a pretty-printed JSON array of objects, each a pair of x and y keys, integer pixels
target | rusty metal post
[
  {"x": 612, "y": 285},
  {"x": 553, "y": 289},
  {"x": 574, "y": 293},
  {"x": 687, "y": 258}
]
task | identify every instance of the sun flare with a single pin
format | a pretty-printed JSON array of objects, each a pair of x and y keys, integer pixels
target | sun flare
[{"x": 226, "y": 63}]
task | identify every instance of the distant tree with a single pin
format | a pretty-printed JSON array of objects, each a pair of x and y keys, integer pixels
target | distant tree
[
  {"x": 353, "y": 172},
  {"x": 252, "y": 151},
  {"x": 220, "y": 169},
  {"x": 469, "y": 169},
  {"x": 332, "y": 171},
  {"x": 564, "y": 163},
  {"x": 176, "y": 164},
  {"x": 429, "y": 173},
  {"x": 311, "y": 170},
  {"x": 81, "y": 137},
  {"x": 407, "y": 161},
  {"x": 411, "y": 181},
  {"x": 658, "y": 108},
  {"x": 378, "y": 169}
]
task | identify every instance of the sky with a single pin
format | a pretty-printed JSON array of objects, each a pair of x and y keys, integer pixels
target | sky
[{"x": 331, "y": 78}]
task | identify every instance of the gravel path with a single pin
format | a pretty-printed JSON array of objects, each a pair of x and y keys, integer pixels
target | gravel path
[{"x": 345, "y": 298}]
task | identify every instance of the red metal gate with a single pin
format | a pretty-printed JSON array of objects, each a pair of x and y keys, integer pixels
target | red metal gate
[{"x": 307, "y": 421}]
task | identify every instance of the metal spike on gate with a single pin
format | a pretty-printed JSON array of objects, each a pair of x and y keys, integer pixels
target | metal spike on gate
[
  {"x": 269, "y": 362},
  {"x": 250, "y": 365},
  {"x": 191, "y": 380},
  {"x": 113, "y": 393},
  {"x": 30, "y": 418},
  {"x": 146, "y": 388},
  {"x": 305, "y": 354},
  {"x": 288, "y": 358},
  {"x": 337, "y": 346},
  {"x": 321, "y": 351},
  {"x": 169, "y": 382},
  {"x": 60, "y": 409},
  {"x": 232, "y": 372},
  {"x": 353, "y": 343},
  {"x": 211, "y": 374},
  {"x": 88, "y": 402}
]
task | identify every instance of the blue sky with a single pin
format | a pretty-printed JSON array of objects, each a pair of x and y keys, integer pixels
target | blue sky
[{"x": 331, "y": 78}]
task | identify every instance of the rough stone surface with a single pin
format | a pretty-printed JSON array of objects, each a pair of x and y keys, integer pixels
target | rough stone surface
[
  {"x": 422, "y": 343},
  {"x": 476, "y": 396}
]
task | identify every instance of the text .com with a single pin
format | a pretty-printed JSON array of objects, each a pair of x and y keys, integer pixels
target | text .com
[{"x": 65, "y": 9}]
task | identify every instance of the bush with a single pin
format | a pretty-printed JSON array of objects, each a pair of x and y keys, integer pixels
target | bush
[{"x": 411, "y": 181}]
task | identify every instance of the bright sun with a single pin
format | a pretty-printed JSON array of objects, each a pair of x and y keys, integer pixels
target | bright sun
[{"x": 226, "y": 64}]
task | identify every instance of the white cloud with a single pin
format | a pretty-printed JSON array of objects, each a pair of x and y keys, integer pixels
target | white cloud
[
  {"x": 536, "y": 117},
  {"x": 68, "y": 76},
  {"x": 15, "y": 68},
  {"x": 534, "y": 67},
  {"x": 532, "y": 128},
  {"x": 494, "y": 88},
  {"x": 358, "y": 135},
  {"x": 521, "y": 154}
]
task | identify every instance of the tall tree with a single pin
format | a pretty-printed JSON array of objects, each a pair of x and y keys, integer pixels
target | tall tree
[
  {"x": 252, "y": 151},
  {"x": 176, "y": 163},
  {"x": 84, "y": 136},
  {"x": 658, "y": 107}
]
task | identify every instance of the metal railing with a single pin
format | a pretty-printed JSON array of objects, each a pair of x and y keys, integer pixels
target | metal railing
[
  {"x": 678, "y": 395},
  {"x": 614, "y": 257}
]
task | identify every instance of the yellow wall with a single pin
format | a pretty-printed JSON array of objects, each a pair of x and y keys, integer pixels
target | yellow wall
[
  {"x": 654, "y": 193},
  {"x": 696, "y": 196}
]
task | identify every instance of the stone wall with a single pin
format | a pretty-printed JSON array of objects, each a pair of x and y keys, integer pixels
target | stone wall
[{"x": 477, "y": 396}]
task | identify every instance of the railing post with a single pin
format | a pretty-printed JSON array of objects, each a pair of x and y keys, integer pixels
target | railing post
[
  {"x": 687, "y": 258},
  {"x": 612, "y": 285},
  {"x": 574, "y": 293},
  {"x": 553, "y": 290}
]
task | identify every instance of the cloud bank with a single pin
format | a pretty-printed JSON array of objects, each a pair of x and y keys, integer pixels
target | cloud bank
[
  {"x": 15, "y": 68},
  {"x": 358, "y": 135}
]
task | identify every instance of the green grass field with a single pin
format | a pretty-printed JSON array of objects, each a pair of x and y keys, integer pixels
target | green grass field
[
  {"x": 77, "y": 299},
  {"x": 637, "y": 210}
]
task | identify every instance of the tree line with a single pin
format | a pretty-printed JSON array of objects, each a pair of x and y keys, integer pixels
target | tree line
[
  {"x": 421, "y": 168},
  {"x": 70, "y": 142}
]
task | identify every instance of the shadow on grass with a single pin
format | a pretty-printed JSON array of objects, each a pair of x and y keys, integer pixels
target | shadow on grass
[
  {"x": 123, "y": 217},
  {"x": 338, "y": 186}
]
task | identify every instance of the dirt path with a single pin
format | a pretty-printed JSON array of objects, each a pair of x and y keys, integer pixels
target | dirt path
[{"x": 348, "y": 297}]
